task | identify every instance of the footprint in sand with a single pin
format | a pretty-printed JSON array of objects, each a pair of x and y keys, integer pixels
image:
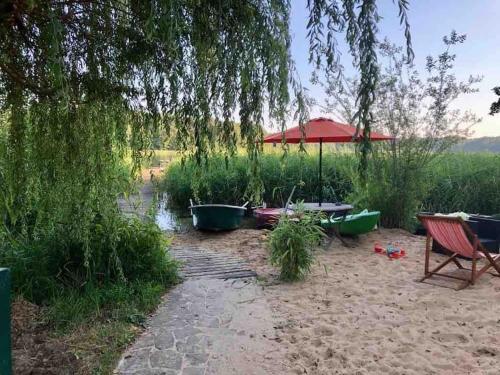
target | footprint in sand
[
  {"x": 317, "y": 342},
  {"x": 451, "y": 338},
  {"x": 326, "y": 302},
  {"x": 329, "y": 352},
  {"x": 323, "y": 331},
  {"x": 485, "y": 351}
]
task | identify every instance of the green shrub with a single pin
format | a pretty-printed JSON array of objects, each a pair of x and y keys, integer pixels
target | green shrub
[
  {"x": 394, "y": 187},
  {"x": 34, "y": 275},
  {"x": 94, "y": 306},
  {"x": 291, "y": 245},
  {"x": 123, "y": 250},
  {"x": 452, "y": 182}
]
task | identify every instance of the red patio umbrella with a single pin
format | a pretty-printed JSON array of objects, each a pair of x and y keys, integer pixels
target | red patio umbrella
[{"x": 321, "y": 130}]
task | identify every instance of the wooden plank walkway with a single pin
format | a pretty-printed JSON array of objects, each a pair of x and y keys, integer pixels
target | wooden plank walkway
[{"x": 198, "y": 262}]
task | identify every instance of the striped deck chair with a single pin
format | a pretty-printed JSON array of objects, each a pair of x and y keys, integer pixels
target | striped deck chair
[{"x": 455, "y": 235}]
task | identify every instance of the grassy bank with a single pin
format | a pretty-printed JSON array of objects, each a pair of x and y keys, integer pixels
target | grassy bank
[
  {"x": 108, "y": 318},
  {"x": 99, "y": 323},
  {"x": 92, "y": 312},
  {"x": 455, "y": 181}
]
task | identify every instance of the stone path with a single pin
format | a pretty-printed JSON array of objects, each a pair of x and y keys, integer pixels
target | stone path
[
  {"x": 207, "y": 326},
  {"x": 216, "y": 322}
]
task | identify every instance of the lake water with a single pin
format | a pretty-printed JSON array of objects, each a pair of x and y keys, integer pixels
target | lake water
[{"x": 173, "y": 220}]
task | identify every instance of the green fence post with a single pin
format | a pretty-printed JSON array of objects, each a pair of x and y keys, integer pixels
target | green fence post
[{"x": 5, "y": 352}]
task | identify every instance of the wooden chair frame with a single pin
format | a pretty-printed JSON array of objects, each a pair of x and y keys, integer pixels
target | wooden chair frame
[{"x": 478, "y": 248}]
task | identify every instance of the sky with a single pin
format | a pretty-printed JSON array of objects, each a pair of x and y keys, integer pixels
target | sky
[{"x": 430, "y": 20}]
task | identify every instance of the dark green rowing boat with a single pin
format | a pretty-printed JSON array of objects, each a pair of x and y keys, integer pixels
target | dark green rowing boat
[
  {"x": 217, "y": 217},
  {"x": 353, "y": 225}
]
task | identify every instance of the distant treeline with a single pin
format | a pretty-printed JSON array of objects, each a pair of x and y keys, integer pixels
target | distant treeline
[{"x": 483, "y": 144}]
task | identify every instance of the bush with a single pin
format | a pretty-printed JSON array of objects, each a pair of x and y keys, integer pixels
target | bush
[
  {"x": 123, "y": 251},
  {"x": 394, "y": 187},
  {"x": 94, "y": 306},
  {"x": 141, "y": 250},
  {"x": 291, "y": 244}
]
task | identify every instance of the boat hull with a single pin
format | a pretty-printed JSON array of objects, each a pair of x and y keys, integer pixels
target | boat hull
[
  {"x": 353, "y": 225},
  {"x": 217, "y": 217},
  {"x": 267, "y": 217}
]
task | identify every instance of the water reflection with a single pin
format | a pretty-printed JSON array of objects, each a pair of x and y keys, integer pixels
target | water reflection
[{"x": 172, "y": 220}]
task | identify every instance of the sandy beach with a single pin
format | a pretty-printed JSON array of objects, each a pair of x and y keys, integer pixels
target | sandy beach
[{"x": 362, "y": 313}]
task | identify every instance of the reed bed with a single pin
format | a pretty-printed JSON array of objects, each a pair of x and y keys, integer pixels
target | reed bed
[{"x": 453, "y": 182}]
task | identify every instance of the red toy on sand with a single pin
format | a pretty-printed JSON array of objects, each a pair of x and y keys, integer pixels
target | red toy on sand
[{"x": 393, "y": 251}]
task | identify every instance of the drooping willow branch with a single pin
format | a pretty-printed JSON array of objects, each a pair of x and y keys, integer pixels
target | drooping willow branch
[
  {"x": 88, "y": 80},
  {"x": 358, "y": 21}
]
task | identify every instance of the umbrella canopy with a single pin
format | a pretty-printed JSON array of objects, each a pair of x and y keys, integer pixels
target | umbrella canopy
[{"x": 321, "y": 130}]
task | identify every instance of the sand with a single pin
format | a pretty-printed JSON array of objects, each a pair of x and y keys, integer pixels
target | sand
[{"x": 361, "y": 313}]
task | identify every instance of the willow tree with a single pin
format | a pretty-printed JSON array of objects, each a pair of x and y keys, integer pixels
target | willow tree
[{"x": 84, "y": 80}]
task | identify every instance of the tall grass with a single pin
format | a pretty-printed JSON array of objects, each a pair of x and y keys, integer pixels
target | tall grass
[
  {"x": 221, "y": 182},
  {"x": 453, "y": 182},
  {"x": 98, "y": 313},
  {"x": 465, "y": 182},
  {"x": 42, "y": 269},
  {"x": 291, "y": 244},
  {"x": 392, "y": 187}
]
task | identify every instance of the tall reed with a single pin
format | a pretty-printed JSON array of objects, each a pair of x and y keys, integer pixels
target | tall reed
[
  {"x": 465, "y": 182},
  {"x": 221, "y": 182},
  {"x": 453, "y": 182}
]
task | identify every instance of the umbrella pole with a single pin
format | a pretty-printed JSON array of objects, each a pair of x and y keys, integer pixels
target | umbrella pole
[{"x": 320, "y": 171}]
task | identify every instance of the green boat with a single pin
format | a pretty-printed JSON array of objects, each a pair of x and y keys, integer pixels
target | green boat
[
  {"x": 353, "y": 225},
  {"x": 217, "y": 217}
]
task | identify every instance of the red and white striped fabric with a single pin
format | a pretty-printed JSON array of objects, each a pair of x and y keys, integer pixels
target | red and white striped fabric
[{"x": 450, "y": 235}]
